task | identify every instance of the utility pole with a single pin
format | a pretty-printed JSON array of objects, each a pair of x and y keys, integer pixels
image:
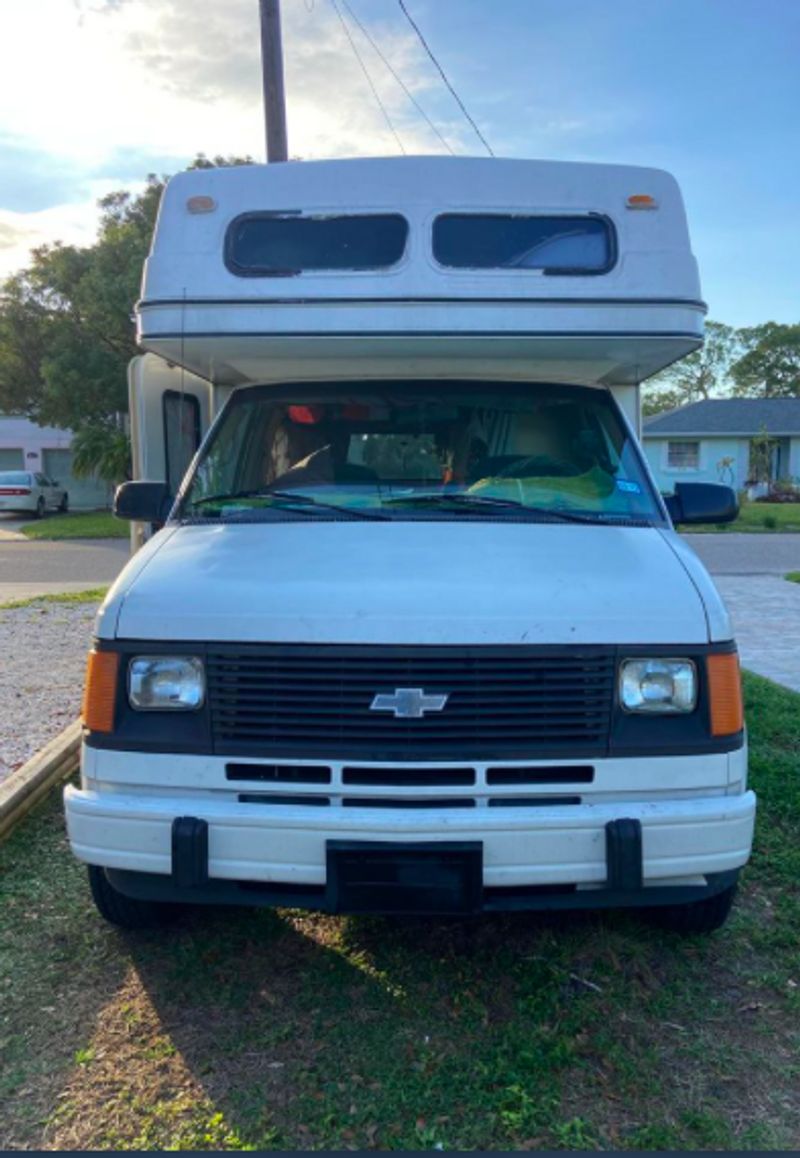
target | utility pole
[{"x": 272, "y": 75}]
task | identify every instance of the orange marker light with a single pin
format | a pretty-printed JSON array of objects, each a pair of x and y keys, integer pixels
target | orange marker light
[
  {"x": 641, "y": 201},
  {"x": 725, "y": 694},
  {"x": 100, "y": 693},
  {"x": 201, "y": 205}
]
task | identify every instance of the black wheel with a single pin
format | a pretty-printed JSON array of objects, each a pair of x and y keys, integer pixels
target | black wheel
[
  {"x": 126, "y": 912},
  {"x": 64, "y": 504},
  {"x": 697, "y": 917},
  {"x": 40, "y": 508}
]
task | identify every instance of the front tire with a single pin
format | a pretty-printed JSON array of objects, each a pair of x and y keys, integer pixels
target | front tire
[
  {"x": 64, "y": 504},
  {"x": 40, "y": 508},
  {"x": 125, "y": 912},
  {"x": 697, "y": 917}
]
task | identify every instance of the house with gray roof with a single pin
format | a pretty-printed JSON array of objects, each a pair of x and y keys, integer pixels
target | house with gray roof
[{"x": 710, "y": 441}]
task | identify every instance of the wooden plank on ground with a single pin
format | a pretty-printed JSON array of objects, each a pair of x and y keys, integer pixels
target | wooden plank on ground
[{"x": 25, "y": 787}]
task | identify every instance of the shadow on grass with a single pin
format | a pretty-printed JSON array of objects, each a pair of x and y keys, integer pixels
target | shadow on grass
[{"x": 253, "y": 1028}]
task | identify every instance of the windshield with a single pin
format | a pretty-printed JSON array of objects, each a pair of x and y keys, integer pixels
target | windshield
[{"x": 420, "y": 449}]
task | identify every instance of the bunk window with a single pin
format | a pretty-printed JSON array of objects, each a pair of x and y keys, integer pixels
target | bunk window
[
  {"x": 282, "y": 244},
  {"x": 181, "y": 414},
  {"x": 550, "y": 245}
]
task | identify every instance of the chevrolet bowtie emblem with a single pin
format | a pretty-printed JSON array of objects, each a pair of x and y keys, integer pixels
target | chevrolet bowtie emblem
[{"x": 408, "y": 703}]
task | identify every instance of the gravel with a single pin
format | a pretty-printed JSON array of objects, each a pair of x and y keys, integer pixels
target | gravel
[{"x": 42, "y": 661}]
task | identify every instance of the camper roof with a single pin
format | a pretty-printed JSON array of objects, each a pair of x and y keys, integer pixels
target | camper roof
[{"x": 579, "y": 269}]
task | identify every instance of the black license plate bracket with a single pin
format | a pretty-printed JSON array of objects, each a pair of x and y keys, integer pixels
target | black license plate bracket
[{"x": 431, "y": 878}]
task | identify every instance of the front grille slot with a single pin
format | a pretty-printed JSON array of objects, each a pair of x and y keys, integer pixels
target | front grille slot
[
  {"x": 409, "y": 777},
  {"x": 409, "y": 802},
  {"x": 531, "y": 801},
  {"x": 279, "y": 773},
  {"x": 583, "y": 774},
  {"x": 281, "y": 798},
  {"x": 518, "y": 702}
]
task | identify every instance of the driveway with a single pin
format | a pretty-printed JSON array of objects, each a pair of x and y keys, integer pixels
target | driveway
[
  {"x": 748, "y": 571},
  {"x": 747, "y": 554}
]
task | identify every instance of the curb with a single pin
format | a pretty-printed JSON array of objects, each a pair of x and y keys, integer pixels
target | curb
[{"x": 29, "y": 784}]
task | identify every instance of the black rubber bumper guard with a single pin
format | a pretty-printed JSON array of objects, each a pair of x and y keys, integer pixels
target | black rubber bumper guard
[{"x": 454, "y": 869}]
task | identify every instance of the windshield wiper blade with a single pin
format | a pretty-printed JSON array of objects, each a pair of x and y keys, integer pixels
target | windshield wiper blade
[
  {"x": 488, "y": 503},
  {"x": 305, "y": 502}
]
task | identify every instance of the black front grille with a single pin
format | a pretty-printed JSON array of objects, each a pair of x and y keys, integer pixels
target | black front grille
[{"x": 520, "y": 702}]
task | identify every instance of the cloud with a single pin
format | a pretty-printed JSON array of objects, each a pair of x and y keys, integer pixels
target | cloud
[
  {"x": 72, "y": 223},
  {"x": 209, "y": 58}
]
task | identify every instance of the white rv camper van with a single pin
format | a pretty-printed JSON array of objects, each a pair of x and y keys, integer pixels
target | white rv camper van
[{"x": 412, "y": 631}]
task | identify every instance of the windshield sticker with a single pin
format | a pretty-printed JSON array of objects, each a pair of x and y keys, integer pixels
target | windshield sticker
[{"x": 630, "y": 488}]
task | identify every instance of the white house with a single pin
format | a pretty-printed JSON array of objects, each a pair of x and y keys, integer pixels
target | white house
[{"x": 26, "y": 446}]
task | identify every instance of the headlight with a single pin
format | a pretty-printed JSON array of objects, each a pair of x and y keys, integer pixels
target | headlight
[
  {"x": 174, "y": 682},
  {"x": 658, "y": 685}
]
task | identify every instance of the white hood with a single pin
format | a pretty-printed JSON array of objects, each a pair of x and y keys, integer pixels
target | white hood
[{"x": 407, "y": 582}]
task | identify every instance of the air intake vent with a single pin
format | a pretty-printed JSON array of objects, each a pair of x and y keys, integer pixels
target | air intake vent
[{"x": 516, "y": 702}]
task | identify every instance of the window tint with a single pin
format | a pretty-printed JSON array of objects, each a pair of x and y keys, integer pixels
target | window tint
[
  {"x": 14, "y": 478},
  {"x": 379, "y": 445},
  {"x": 502, "y": 241},
  {"x": 683, "y": 455},
  {"x": 267, "y": 244}
]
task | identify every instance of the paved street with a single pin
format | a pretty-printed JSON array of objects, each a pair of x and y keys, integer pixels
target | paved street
[{"x": 34, "y": 568}]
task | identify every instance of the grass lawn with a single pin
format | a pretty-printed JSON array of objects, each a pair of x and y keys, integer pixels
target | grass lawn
[
  {"x": 78, "y": 525},
  {"x": 93, "y": 595},
  {"x": 793, "y": 576},
  {"x": 259, "y": 1029},
  {"x": 764, "y": 518}
]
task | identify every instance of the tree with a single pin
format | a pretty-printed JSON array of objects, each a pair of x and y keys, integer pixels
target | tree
[
  {"x": 705, "y": 373},
  {"x": 66, "y": 331},
  {"x": 771, "y": 367}
]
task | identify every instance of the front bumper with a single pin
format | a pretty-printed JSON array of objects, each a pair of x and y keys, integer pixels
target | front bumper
[{"x": 610, "y": 854}]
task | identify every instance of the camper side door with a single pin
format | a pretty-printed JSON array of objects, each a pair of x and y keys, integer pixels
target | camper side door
[{"x": 170, "y": 412}]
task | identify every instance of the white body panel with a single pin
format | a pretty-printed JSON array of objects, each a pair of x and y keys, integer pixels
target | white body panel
[
  {"x": 418, "y": 316},
  {"x": 691, "y": 825},
  {"x": 355, "y": 582}
]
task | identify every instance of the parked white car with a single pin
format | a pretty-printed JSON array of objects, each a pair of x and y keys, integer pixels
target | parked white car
[{"x": 23, "y": 490}]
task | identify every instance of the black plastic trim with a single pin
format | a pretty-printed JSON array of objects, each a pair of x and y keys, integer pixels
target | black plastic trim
[
  {"x": 157, "y": 887},
  {"x": 631, "y": 735},
  {"x": 157, "y": 303},
  {"x": 624, "y": 854},
  {"x": 189, "y": 852},
  {"x": 365, "y": 335}
]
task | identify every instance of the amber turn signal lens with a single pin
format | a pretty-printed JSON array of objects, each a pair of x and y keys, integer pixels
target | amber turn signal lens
[
  {"x": 100, "y": 693},
  {"x": 725, "y": 694}
]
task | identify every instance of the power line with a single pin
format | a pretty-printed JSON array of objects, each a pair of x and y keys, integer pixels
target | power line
[
  {"x": 441, "y": 71},
  {"x": 357, "y": 54},
  {"x": 399, "y": 79}
]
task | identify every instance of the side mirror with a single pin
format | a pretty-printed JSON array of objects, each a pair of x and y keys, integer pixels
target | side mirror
[
  {"x": 702, "y": 503},
  {"x": 145, "y": 502}
]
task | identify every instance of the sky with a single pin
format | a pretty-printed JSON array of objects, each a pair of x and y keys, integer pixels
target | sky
[{"x": 96, "y": 94}]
